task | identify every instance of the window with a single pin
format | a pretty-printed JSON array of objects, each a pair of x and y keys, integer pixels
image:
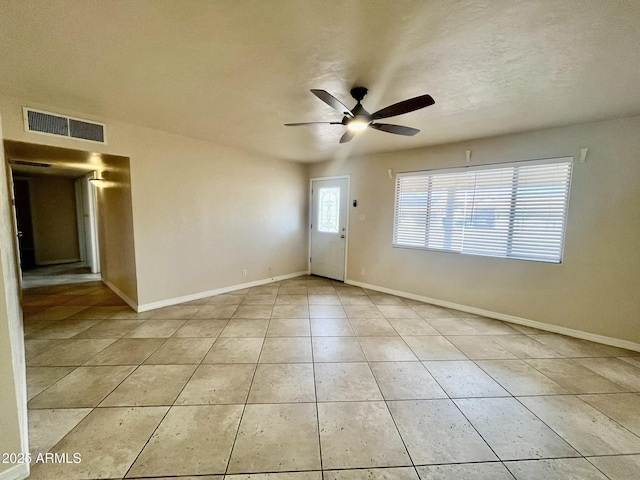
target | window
[
  {"x": 328, "y": 212},
  {"x": 514, "y": 210}
]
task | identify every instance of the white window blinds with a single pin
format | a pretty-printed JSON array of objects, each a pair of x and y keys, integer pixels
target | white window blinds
[{"x": 514, "y": 210}]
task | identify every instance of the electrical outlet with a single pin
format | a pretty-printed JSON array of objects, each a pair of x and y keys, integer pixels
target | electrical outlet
[
  {"x": 363, "y": 272},
  {"x": 244, "y": 272}
]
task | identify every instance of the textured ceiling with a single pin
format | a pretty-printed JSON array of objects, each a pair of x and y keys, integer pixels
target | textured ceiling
[{"x": 232, "y": 72}]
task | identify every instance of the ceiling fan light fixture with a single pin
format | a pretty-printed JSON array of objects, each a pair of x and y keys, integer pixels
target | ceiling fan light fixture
[{"x": 357, "y": 126}]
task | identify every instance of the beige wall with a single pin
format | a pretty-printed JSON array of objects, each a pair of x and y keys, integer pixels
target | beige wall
[
  {"x": 115, "y": 228},
  {"x": 9, "y": 419},
  {"x": 55, "y": 223},
  {"x": 597, "y": 287},
  {"x": 201, "y": 213},
  {"x": 13, "y": 415}
]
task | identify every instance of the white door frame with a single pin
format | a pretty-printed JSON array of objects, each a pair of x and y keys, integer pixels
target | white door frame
[
  {"x": 92, "y": 201},
  {"x": 13, "y": 312},
  {"x": 14, "y": 218},
  {"x": 82, "y": 234},
  {"x": 346, "y": 232},
  {"x": 87, "y": 230}
]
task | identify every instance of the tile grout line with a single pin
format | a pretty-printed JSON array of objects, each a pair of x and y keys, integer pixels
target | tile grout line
[
  {"x": 568, "y": 394},
  {"x": 572, "y": 359},
  {"x": 525, "y": 407},
  {"x": 311, "y": 336},
  {"x": 597, "y": 468},
  {"x": 315, "y": 392},
  {"x": 413, "y": 463},
  {"x": 562, "y": 437},
  {"x": 89, "y": 366},
  {"x": 169, "y": 407},
  {"x": 148, "y": 440},
  {"x": 449, "y": 399},
  {"x": 244, "y": 406}
]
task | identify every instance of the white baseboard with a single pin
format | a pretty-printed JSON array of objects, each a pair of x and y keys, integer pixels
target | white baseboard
[
  {"x": 119, "y": 293},
  {"x": 592, "y": 337},
  {"x": 17, "y": 472},
  {"x": 196, "y": 296}
]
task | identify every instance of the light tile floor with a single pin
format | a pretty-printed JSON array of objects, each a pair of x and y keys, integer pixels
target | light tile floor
[{"x": 308, "y": 379}]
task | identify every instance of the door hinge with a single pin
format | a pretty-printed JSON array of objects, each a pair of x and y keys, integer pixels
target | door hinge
[
  {"x": 309, "y": 259},
  {"x": 311, "y": 226}
]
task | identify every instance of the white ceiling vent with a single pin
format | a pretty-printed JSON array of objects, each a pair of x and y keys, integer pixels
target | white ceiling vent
[{"x": 48, "y": 123}]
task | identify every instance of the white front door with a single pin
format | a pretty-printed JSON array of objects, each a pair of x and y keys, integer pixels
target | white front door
[{"x": 329, "y": 227}]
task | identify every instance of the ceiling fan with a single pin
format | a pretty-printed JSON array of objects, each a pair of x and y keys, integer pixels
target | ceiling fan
[{"x": 358, "y": 119}]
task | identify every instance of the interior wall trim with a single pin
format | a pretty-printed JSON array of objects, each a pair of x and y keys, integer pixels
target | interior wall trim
[
  {"x": 16, "y": 472},
  {"x": 592, "y": 337},
  {"x": 59, "y": 262},
  {"x": 209, "y": 293},
  {"x": 119, "y": 293}
]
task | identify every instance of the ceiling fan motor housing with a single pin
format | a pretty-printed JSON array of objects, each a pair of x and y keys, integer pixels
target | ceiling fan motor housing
[
  {"x": 359, "y": 93},
  {"x": 360, "y": 115}
]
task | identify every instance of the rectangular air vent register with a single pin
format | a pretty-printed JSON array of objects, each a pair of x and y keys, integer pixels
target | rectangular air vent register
[{"x": 38, "y": 121}]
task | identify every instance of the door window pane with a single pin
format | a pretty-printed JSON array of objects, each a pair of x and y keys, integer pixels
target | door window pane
[{"x": 328, "y": 212}]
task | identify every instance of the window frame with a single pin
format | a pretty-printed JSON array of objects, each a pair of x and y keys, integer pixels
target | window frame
[{"x": 430, "y": 173}]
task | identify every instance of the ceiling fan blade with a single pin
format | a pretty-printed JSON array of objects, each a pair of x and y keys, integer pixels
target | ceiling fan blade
[
  {"x": 404, "y": 107},
  {"x": 332, "y": 101},
  {"x": 311, "y": 123},
  {"x": 397, "y": 129},
  {"x": 348, "y": 135}
]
